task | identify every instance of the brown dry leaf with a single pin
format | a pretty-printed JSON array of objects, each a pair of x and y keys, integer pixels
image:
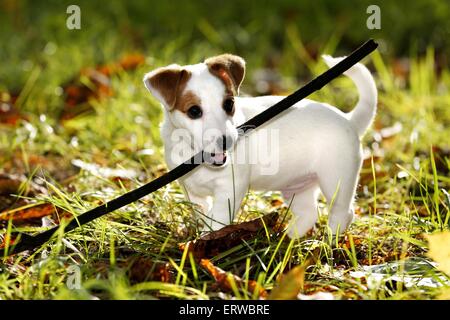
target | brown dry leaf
[
  {"x": 401, "y": 68},
  {"x": 10, "y": 202},
  {"x": 366, "y": 175},
  {"x": 383, "y": 138},
  {"x": 20, "y": 165},
  {"x": 3, "y": 241},
  {"x": 276, "y": 203},
  {"x": 78, "y": 94},
  {"x": 9, "y": 184},
  {"x": 230, "y": 236},
  {"x": 348, "y": 239},
  {"x": 131, "y": 61},
  {"x": 290, "y": 285},
  {"x": 422, "y": 211},
  {"x": 9, "y": 114},
  {"x": 27, "y": 213},
  {"x": 143, "y": 269},
  {"x": 12, "y": 185},
  {"x": 223, "y": 279}
]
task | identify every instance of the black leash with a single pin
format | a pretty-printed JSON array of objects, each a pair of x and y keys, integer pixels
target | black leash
[{"x": 27, "y": 242}]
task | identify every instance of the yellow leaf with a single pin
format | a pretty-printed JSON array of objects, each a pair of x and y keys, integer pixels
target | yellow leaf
[
  {"x": 445, "y": 294},
  {"x": 439, "y": 250},
  {"x": 290, "y": 285}
]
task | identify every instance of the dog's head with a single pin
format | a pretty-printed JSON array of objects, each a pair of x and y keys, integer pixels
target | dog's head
[{"x": 200, "y": 99}]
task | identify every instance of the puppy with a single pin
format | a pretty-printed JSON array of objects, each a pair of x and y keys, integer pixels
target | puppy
[{"x": 312, "y": 147}]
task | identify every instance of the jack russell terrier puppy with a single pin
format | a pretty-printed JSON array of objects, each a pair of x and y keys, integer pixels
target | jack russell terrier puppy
[{"x": 317, "y": 146}]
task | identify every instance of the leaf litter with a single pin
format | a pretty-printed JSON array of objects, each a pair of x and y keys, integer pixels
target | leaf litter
[{"x": 215, "y": 242}]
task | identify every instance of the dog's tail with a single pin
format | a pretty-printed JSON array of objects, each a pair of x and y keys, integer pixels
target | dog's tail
[{"x": 363, "y": 114}]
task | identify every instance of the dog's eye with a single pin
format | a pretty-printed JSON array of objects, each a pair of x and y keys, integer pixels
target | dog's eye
[
  {"x": 228, "y": 105},
  {"x": 195, "y": 112}
]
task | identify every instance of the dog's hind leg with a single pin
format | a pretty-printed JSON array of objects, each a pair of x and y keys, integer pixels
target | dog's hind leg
[
  {"x": 338, "y": 184},
  {"x": 303, "y": 205}
]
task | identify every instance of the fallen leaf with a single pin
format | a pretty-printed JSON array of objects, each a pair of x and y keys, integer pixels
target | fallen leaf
[
  {"x": 230, "y": 236},
  {"x": 439, "y": 244},
  {"x": 3, "y": 241},
  {"x": 445, "y": 294},
  {"x": 131, "y": 61},
  {"x": 9, "y": 184},
  {"x": 423, "y": 211},
  {"x": 401, "y": 68},
  {"x": 94, "y": 84},
  {"x": 48, "y": 164},
  {"x": 12, "y": 185},
  {"x": 290, "y": 285},
  {"x": 143, "y": 269},
  {"x": 9, "y": 114},
  {"x": 276, "y": 203},
  {"x": 348, "y": 239},
  {"x": 223, "y": 279},
  {"x": 27, "y": 213}
]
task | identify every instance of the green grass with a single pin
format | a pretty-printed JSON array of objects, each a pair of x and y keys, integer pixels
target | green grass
[{"x": 403, "y": 192}]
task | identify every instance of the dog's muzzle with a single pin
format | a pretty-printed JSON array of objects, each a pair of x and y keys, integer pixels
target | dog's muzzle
[
  {"x": 220, "y": 156},
  {"x": 215, "y": 159}
]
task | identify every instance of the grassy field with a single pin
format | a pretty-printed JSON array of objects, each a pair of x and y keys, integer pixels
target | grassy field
[{"x": 78, "y": 128}]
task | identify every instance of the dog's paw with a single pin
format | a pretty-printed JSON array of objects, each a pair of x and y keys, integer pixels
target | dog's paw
[
  {"x": 298, "y": 230},
  {"x": 340, "y": 223}
]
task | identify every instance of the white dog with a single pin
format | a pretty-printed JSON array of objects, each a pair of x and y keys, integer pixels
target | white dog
[{"x": 318, "y": 147}]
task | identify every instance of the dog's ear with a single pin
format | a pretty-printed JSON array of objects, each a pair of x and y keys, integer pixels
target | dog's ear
[
  {"x": 229, "y": 68},
  {"x": 167, "y": 83}
]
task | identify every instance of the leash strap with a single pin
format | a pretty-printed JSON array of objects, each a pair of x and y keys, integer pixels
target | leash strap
[{"x": 27, "y": 242}]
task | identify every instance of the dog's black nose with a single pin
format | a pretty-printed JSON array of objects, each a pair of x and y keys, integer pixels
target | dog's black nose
[{"x": 224, "y": 142}]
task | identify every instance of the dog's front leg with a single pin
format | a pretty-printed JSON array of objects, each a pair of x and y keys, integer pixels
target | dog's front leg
[
  {"x": 202, "y": 203},
  {"x": 226, "y": 204}
]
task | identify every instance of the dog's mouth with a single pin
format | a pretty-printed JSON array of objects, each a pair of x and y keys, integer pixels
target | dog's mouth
[{"x": 216, "y": 159}]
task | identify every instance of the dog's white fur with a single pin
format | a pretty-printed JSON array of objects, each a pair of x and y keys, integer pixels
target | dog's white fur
[{"x": 319, "y": 150}]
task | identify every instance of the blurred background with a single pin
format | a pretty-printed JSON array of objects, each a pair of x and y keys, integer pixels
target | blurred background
[{"x": 280, "y": 35}]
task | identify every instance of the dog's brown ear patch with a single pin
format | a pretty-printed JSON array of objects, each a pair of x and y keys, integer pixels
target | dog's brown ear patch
[
  {"x": 167, "y": 83},
  {"x": 228, "y": 68}
]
